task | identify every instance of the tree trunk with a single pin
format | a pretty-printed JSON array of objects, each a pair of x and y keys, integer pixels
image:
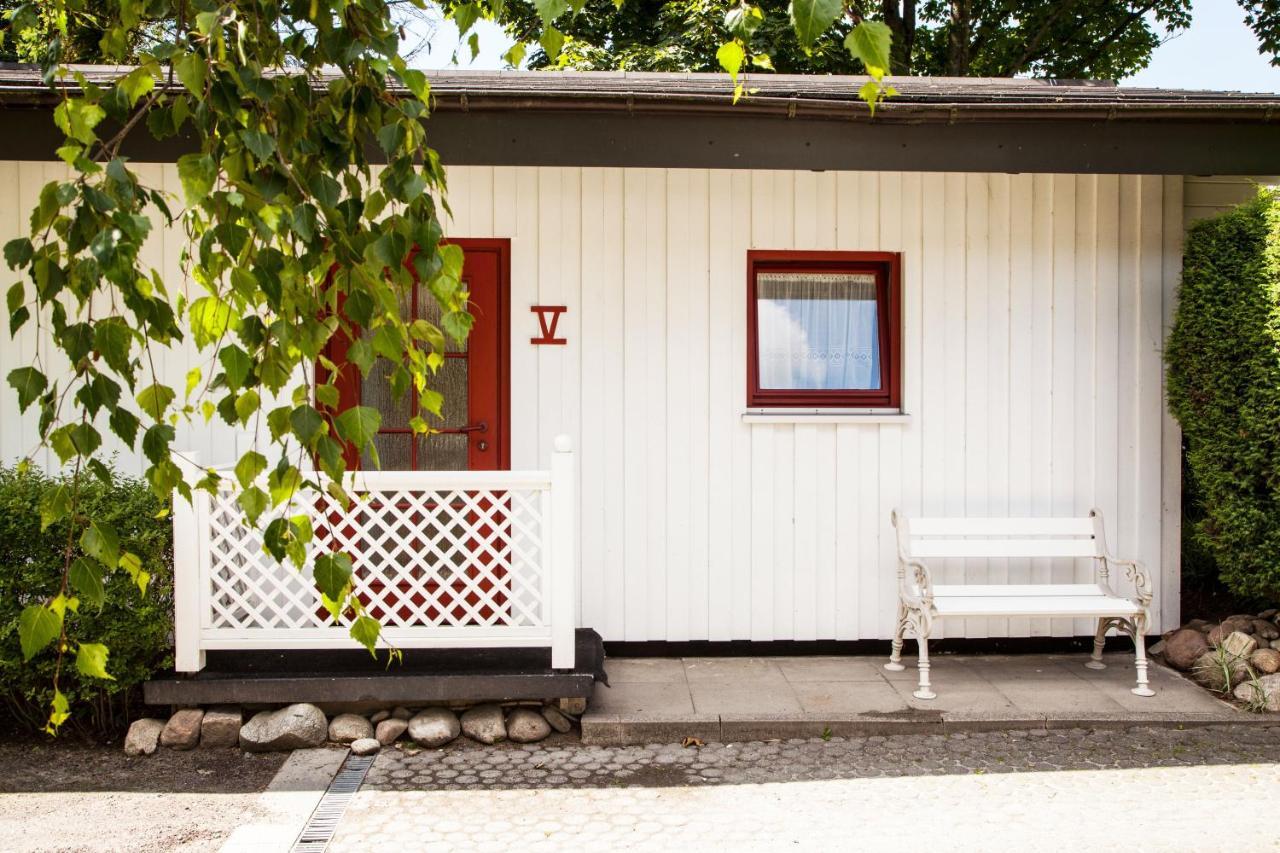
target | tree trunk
[
  {"x": 902, "y": 23},
  {"x": 958, "y": 39}
]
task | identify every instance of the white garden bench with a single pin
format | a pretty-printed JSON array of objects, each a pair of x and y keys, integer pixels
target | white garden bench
[{"x": 920, "y": 601}]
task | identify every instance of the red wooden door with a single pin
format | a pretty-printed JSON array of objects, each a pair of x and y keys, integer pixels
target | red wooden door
[{"x": 473, "y": 434}]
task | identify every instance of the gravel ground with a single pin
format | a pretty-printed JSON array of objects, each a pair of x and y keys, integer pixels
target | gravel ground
[
  {"x": 69, "y": 796},
  {"x": 1140, "y": 789}
]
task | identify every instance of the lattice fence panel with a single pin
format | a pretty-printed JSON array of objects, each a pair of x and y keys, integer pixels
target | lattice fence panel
[{"x": 422, "y": 559}]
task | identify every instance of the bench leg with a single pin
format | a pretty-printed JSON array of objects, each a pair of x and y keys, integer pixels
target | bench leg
[
  {"x": 1140, "y": 657},
  {"x": 925, "y": 690},
  {"x": 1099, "y": 640},
  {"x": 895, "y": 648}
]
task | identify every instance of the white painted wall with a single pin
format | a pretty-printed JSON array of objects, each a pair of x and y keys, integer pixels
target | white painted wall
[{"x": 1034, "y": 313}]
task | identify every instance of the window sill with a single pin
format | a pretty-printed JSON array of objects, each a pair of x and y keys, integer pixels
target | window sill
[{"x": 825, "y": 416}]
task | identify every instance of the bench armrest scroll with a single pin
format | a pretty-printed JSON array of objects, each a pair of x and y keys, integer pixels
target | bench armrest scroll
[
  {"x": 1136, "y": 572},
  {"x": 922, "y": 595}
]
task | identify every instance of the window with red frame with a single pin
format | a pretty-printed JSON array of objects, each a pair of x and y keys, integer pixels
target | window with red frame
[{"x": 823, "y": 330}]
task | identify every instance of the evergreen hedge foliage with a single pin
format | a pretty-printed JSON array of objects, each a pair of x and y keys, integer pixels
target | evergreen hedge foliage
[
  {"x": 138, "y": 630},
  {"x": 1223, "y": 359}
]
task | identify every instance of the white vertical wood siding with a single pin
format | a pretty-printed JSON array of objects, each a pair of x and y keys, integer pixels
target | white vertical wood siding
[{"x": 1034, "y": 314}]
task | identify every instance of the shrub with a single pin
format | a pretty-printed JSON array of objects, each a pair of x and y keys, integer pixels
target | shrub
[
  {"x": 1223, "y": 358},
  {"x": 137, "y": 630}
]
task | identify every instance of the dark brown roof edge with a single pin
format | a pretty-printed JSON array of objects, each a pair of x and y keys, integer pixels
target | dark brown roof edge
[{"x": 921, "y": 100}]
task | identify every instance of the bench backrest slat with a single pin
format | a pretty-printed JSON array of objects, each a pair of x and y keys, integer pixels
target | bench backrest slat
[
  {"x": 1002, "y": 547},
  {"x": 1001, "y": 526}
]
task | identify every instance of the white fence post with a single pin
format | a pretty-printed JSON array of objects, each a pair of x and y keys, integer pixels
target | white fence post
[
  {"x": 564, "y": 581},
  {"x": 188, "y": 521}
]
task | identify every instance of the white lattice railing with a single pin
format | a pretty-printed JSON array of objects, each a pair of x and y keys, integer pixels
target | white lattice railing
[{"x": 442, "y": 559}]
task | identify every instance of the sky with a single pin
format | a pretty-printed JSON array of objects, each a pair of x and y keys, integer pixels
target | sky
[{"x": 1218, "y": 52}]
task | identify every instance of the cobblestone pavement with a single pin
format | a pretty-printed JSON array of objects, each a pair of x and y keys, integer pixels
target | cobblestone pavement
[{"x": 1139, "y": 789}]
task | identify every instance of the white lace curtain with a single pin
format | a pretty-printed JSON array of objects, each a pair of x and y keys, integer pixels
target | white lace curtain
[{"x": 817, "y": 331}]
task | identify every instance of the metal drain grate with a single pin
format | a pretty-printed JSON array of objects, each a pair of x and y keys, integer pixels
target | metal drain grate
[{"x": 318, "y": 832}]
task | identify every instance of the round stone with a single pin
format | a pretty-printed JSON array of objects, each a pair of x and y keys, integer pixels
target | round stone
[
  {"x": 484, "y": 724},
  {"x": 434, "y": 727},
  {"x": 389, "y": 730},
  {"x": 525, "y": 725},
  {"x": 348, "y": 728},
  {"x": 365, "y": 746}
]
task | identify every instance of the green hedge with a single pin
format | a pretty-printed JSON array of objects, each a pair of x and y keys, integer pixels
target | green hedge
[
  {"x": 1223, "y": 358},
  {"x": 137, "y": 630}
]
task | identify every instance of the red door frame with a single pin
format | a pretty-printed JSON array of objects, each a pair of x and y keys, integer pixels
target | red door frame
[{"x": 492, "y": 380}]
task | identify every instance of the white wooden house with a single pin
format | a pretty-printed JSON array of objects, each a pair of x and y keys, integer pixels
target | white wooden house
[{"x": 781, "y": 320}]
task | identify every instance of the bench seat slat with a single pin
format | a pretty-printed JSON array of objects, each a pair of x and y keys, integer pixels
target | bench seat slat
[
  {"x": 1001, "y": 526},
  {"x": 1027, "y": 600},
  {"x": 1003, "y": 547}
]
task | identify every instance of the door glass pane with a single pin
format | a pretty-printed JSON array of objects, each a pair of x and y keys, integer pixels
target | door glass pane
[
  {"x": 451, "y": 381},
  {"x": 393, "y": 452},
  {"x": 818, "y": 331},
  {"x": 375, "y": 391},
  {"x": 447, "y": 452}
]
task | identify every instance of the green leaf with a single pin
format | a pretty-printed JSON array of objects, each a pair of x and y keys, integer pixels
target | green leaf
[
  {"x": 17, "y": 253},
  {"x": 113, "y": 338},
  {"x": 59, "y": 712},
  {"x": 29, "y": 383},
  {"x": 465, "y": 17},
  {"x": 77, "y": 118},
  {"x": 132, "y": 564},
  {"x": 85, "y": 577},
  {"x": 332, "y": 574},
  {"x": 38, "y": 626},
  {"x": 197, "y": 172},
  {"x": 155, "y": 400},
  {"x": 358, "y": 425},
  {"x": 365, "y": 631},
  {"x": 211, "y": 318},
  {"x": 731, "y": 56},
  {"x": 307, "y": 424},
  {"x": 284, "y": 483},
  {"x": 124, "y": 424},
  {"x": 549, "y": 10},
  {"x": 360, "y": 353},
  {"x": 136, "y": 83},
  {"x": 551, "y": 40},
  {"x": 246, "y": 405},
  {"x": 101, "y": 542},
  {"x": 190, "y": 68},
  {"x": 811, "y": 18},
  {"x": 262, "y": 145},
  {"x": 238, "y": 365},
  {"x": 55, "y": 505},
  {"x": 91, "y": 660},
  {"x": 515, "y": 55},
  {"x": 743, "y": 20},
  {"x": 254, "y": 503},
  {"x": 249, "y": 467},
  {"x": 870, "y": 42}
]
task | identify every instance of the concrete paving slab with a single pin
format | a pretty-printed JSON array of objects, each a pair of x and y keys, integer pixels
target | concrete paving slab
[
  {"x": 719, "y": 697},
  {"x": 641, "y": 698},
  {"x": 742, "y": 699},
  {"x": 843, "y": 697},
  {"x": 829, "y": 669},
  {"x": 970, "y": 694},
  {"x": 757, "y": 670},
  {"x": 645, "y": 670}
]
